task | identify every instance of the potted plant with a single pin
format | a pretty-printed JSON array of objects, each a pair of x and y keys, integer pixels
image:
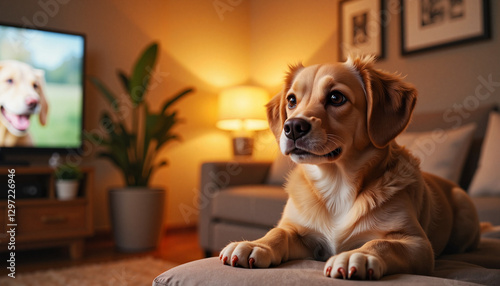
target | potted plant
[
  {"x": 67, "y": 181},
  {"x": 137, "y": 209}
]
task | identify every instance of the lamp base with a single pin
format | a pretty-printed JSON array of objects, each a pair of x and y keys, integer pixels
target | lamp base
[{"x": 242, "y": 146}]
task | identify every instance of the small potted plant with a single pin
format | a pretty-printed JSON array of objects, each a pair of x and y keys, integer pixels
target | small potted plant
[{"x": 67, "y": 181}]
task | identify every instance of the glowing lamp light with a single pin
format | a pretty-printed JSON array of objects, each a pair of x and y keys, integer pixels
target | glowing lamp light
[{"x": 242, "y": 110}]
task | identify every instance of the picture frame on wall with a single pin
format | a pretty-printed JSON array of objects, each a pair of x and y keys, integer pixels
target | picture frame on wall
[
  {"x": 433, "y": 24},
  {"x": 361, "y": 29}
]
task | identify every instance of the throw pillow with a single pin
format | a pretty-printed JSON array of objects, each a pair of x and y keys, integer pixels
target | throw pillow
[
  {"x": 441, "y": 152},
  {"x": 486, "y": 180}
]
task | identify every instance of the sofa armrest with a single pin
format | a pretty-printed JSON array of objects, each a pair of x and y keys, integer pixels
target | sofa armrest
[{"x": 217, "y": 176}]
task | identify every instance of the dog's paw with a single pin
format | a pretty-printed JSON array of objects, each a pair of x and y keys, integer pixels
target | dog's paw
[
  {"x": 246, "y": 254},
  {"x": 354, "y": 265}
]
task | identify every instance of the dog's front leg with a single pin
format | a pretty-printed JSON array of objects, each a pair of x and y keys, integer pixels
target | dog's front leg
[
  {"x": 278, "y": 245},
  {"x": 395, "y": 253}
]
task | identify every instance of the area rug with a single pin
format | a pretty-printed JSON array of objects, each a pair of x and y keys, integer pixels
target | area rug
[{"x": 136, "y": 272}]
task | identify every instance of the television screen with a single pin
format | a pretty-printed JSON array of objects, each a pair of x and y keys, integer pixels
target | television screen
[{"x": 41, "y": 88}]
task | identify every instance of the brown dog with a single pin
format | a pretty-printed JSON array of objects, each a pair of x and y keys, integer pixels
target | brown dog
[
  {"x": 21, "y": 95},
  {"x": 356, "y": 197}
]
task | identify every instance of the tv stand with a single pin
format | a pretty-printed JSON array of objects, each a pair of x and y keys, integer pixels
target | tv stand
[
  {"x": 42, "y": 220},
  {"x": 12, "y": 163},
  {"x": 4, "y": 163}
]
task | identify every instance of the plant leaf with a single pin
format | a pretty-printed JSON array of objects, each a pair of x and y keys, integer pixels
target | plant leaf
[
  {"x": 122, "y": 145},
  {"x": 154, "y": 168},
  {"x": 165, "y": 139},
  {"x": 106, "y": 92},
  {"x": 175, "y": 98},
  {"x": 141, "y": 74},
  {"x": 161, "y": 164},
  {"x": 94, "y": 138},
  {"x": 124, "y": 80},
  {"x": 116, "y": 161}
]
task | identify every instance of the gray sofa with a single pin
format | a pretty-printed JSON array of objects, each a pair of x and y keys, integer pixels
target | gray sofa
[{"x": 243, "y": 200}]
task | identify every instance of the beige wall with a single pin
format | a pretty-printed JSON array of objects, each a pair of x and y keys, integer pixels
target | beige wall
[
  {"x": 249, "y": 42},
  {"x": 199, "y": 48},
  {"x": 286, "y": 32},
  {"x": 447, "y": 77}
]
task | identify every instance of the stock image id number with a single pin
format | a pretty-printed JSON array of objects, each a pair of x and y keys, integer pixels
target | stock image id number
[{"x": 11, "y": 195}]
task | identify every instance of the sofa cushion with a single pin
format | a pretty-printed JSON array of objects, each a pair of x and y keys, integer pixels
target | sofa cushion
[
  {"x": 488, "y": 209},
  {"x": 210, "y": 271},
  {"x": 459, "y": 269},
  {"x": 486, "y": 255},
  {"x": 225, "y": 232},
  {"x": 441, "y": 152},
  {"x": 486, "y": 180},
  {"x": 452, "y": 119},
  {"x": 251, "y": 204}
]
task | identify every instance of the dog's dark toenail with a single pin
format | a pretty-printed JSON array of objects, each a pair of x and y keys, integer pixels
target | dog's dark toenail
[{"x": 234, "y": 261}]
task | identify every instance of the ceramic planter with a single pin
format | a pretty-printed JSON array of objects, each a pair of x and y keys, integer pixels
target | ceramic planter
[
  {"x": 136, "y": 217},
  {"x": 66, "y": 189}
]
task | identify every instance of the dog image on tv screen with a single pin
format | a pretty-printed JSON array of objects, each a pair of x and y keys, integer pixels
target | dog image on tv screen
[
  {"x": 21, "y": 96},
  {"x": 41, "y": 88}
]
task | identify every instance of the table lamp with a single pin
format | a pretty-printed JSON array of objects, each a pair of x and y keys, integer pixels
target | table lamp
[{"x": 242, "y": 111}]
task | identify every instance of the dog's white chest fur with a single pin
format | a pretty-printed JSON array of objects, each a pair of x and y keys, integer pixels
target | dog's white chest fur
[
  {"x": 334, "y": 187},
  {"x": 333, "y": 201}
]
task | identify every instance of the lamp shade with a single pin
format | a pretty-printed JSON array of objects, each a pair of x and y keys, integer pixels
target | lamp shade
[{"x": 243, "y": 108}]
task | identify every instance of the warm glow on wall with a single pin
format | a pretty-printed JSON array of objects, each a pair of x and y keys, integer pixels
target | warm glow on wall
[
  {"x": 212, "y": 49},
  {"x": 243, "y": 108}
]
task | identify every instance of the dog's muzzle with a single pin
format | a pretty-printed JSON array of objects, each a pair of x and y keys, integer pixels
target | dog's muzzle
[{"x": 295, "y": 129}]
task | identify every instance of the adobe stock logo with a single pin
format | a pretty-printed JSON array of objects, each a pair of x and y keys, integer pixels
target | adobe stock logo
[
  {"x": 223, "y": 6},
  {"x": 460, "y": 111},
  {"x": 218, "y": 179},
  {"x": 49, "y": 9}
]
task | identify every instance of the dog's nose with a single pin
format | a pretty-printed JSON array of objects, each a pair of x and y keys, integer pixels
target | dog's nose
[
  {"x": 31, "y": 102},
  {"x": 296, "y": 127}
]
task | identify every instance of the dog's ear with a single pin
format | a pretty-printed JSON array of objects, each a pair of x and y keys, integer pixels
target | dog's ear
[
  {"x": 390, "y": 101},
  {"x": 293, "y": 70},
  {"x": 276, "y": 108},
  {"x": 276, "y": 114},
  {"x": 44, "y": 107}
]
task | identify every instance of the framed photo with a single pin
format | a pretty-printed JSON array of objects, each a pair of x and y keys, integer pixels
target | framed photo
[
  {"x": 361, "y": 29},
  {"x": 430, "y": 24}
]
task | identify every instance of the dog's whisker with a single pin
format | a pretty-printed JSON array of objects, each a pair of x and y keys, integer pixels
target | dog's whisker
[{"x": 335, "y": 137}]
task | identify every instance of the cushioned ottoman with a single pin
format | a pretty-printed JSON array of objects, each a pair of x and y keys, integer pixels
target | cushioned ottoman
[{"x": 481, "y": 266}]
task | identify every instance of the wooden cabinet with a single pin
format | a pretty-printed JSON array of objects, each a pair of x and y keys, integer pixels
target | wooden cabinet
[{"x": 38, "y": 217}]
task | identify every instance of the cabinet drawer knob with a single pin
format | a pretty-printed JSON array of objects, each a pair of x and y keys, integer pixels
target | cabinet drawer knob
[{"x": 53, "y": 219}]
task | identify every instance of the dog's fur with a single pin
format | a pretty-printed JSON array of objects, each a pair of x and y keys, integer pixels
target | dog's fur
[
  {"x": 21, "y": 95},
  {"x": 356, "y": 198}
]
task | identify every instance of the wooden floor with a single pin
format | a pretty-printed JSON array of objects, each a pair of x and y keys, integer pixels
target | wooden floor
[{"x": 179, "y": 246}]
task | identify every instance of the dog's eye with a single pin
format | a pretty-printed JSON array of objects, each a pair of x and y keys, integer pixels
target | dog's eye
[
  {"x": 336, "y": 98},
  {"x": 10, "y": 81},
  {"x": 292, "y": 101},
  {"x": 35, "y": 85}
]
